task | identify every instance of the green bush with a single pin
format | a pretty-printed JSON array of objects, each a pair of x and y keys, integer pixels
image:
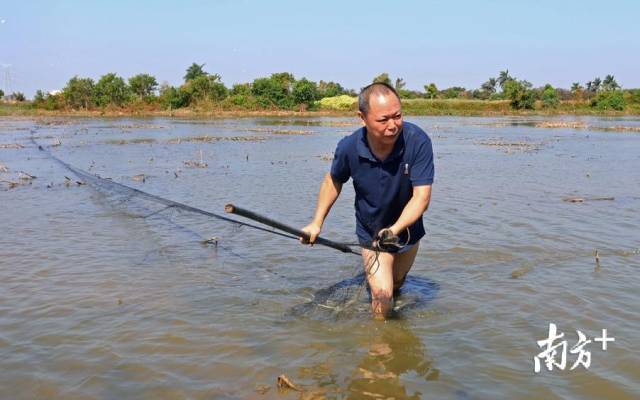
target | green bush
[
  {"x": 143, "y": 85},
  {"x": 609, "y": 100},
  {"x": 240, "y": 101},
  {"x": 172, "y": 98},
  {"x": 452, "y": 92},
  {"x": 330, "y": 89},
  {"x": 305, "y": 92},
  {"x": 111, "y": 90},
  {"x": 39, "y": 98},
  {"x": 409, "y": 94},
  {"x": 18, "y": 96},
  {"x": 549, "y": 97},
  {"x": 275, "y": 90},
  {"x": 205, "y": 87},
  {"x": 79, "y": 92},
  {"x": 634, "y": 96},
  {"x": 243, "y": 89},
  {"x": 54, "y": 102},
  {"x": 520, "y": 94}
]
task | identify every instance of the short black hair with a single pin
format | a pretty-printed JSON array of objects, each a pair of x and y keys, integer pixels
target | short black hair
[{"x": 375, "y": 88}]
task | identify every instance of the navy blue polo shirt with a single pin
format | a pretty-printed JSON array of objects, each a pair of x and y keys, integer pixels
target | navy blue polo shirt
[{"x": 383, "y": 188}]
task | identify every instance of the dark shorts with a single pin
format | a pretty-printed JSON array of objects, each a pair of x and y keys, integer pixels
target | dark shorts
[{"x": 392, "y": 250}]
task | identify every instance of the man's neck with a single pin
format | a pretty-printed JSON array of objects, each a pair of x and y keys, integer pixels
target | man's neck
[{"x": 381, "y": 151}]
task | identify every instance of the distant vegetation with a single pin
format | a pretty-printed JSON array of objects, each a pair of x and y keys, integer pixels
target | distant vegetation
[{"x": 204, "y": 91}]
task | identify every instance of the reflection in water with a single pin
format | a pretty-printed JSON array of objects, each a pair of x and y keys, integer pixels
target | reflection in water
[
  {"x": 393, "y": 354},
  {"x": 394, "y": 351}
]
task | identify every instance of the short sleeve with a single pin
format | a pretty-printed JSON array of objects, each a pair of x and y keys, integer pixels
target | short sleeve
[
  {"x": 422, "y": 171},
  {"x": 340, "y": 170}
]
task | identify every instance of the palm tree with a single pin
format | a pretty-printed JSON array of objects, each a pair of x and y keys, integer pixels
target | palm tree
[
  {"x": 383, "y": 78},
  {"x": 400, "y": 83},
  {"x": 610, "y": 83},
  {"x": 194, "y": 71},
  {"x": 503, "y": 77},
  {"x": 596, "y": 84},
  {"x": 490, "y": 85},
  {"x": 576, "y": 90}
]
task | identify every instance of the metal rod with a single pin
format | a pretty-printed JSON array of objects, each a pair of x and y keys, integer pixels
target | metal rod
[{"x": 230, "y": 208}]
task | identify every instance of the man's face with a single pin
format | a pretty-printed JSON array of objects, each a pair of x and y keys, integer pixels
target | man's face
[{"x": 384, "y": 119}]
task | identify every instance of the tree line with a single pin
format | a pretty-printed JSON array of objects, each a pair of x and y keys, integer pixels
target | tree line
[
  {"x": 283, "y": 91},
  {"x": 200, "y": 88},
  {"x": 604, "y": 94}
]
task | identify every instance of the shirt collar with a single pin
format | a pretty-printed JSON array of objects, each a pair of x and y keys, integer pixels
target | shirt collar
[{"x": 365, "y": 152}]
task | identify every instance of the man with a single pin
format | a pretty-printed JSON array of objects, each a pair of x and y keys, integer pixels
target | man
[{"x": 391, "y": 164}]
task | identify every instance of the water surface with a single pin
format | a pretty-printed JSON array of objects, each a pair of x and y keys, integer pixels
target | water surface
[{"x": 97, "y": 302}]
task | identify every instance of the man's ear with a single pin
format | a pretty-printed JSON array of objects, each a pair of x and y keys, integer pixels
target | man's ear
[{"x": 361, "y": 116}]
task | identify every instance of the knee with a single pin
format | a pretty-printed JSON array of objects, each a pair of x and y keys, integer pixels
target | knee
[
  {"x": 381, "y": 303},
  {"x": 384, "y": 296}
]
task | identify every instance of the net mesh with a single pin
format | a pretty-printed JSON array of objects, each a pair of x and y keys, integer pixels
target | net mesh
[{"x": 346, "y": 298}]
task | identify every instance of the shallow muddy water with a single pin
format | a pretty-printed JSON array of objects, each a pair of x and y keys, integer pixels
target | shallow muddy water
[{"x": 103, "y": 297}]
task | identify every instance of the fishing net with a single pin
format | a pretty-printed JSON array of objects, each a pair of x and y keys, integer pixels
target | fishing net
[
  {"x": 351, "y": 298},
  {"x": 214, "y": 231}
]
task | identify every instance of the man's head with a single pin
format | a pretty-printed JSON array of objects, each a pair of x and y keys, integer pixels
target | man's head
[{"x": 381, "y": 112}]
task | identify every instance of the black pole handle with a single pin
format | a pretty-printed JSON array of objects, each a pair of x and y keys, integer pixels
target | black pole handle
[{"x": 230, "y": 208}]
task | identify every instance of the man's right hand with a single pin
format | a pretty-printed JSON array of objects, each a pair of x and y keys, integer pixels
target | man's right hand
[{"x": 313, "y": 230}]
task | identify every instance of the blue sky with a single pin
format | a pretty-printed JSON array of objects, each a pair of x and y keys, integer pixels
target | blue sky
[{"x": 462, "y": 43}]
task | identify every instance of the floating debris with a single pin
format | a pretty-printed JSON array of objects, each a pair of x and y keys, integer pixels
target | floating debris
[
  {"x": 582, "y": 125},
  {"x": 11, "y": 184},
  {"x": 131, "y": 141},
  {"x": 302, "y": 122},
  {"x": 583, "y": 199},
  {"x": 626, "y": 253},
  {"x": 11, "y": 146},
  {"x": 512, "y": 146},
  {"x": 326, "y": 157},
  {"x": 68, "y": 182},
  {"x": 26, "y": 177},
  {"x": 281, "y": 131},
  {"x": 140, "y": 178},
  {"x": 620, "y": 128},
  {"x": 596, "y": 255},
  {"x": 196, "y": 164},
  {"x": 212, "y": 240},
  {"x": 211, "y": 139},
  {"x": 3, "y": 168},
  {"x": 285, "y": 383},
  {"x": 57, "y": 142},
  {"x": 519, "y": 272},
  {"x": 562, "y": 124}
]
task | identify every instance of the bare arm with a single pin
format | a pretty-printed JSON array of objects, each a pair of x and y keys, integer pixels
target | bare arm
[
  {"x": 329, "y": 192},
  {"x": 414, "y": 209}
]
